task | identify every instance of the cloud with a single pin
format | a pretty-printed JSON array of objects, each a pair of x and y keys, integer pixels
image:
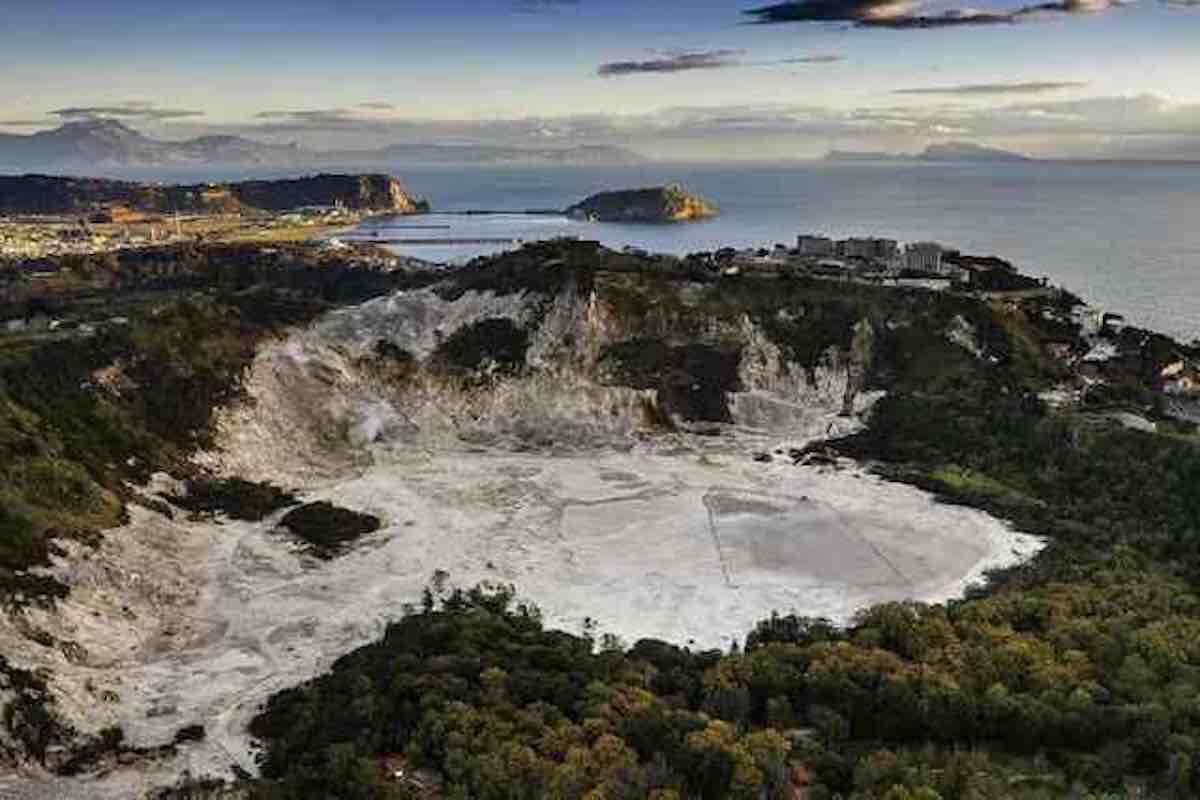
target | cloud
[
  {"x": 872, "y": 13},
  {"x": 22, "y": 123},
  {"x": 133, "y": 109},
  {"x": 313, "y": 119},
  {"x": 1069, "y": 7},
  {"x": 955, "y": 18},
  {"x": 819, "y": 59},
  {"x": 537, "y": 6},
  {"x": 1122, "y": 116},
  {"x": 683, "y": 61},
  {"x": 993, "y": 89},
  {"x": 905, "y": 14},
  {"x": 1133, "y": 115},
  {"x": 1030, "y": 123},
  {"x": 687, "y": 60},
  {"x": 376, "y": 106}
]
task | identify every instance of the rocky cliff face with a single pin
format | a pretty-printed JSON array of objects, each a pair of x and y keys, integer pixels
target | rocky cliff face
[
  {"x": 519, "y": 356},
  {"x": 670, "y": 203},
  {"x": 43, "y": 194}
]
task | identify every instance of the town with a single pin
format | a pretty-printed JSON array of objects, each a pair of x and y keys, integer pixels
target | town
[{"x": 27, "y": 239}]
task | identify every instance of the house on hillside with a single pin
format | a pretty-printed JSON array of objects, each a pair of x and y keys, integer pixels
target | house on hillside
[
  {"x": 419, "y": 782},
  {"x": 1180, "y": 377}
]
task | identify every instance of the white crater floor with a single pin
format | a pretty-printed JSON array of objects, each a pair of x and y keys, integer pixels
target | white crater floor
[{"x": 200, "y": 621}]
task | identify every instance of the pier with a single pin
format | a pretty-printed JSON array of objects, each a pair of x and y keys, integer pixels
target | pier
[
  {"x": 418, "y": 227},
  {"x": 473, "y": 240},
  {"x": 485, "y": 212}
]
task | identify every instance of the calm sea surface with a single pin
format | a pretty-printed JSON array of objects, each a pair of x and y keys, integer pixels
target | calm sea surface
[{"x": 1124, "y": 236}]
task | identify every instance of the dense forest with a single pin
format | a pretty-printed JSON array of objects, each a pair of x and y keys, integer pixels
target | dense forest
[{"x": 1084, "y": 685}]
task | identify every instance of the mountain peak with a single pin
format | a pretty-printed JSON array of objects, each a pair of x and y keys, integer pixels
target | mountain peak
[{"x": 102, "y": 140}]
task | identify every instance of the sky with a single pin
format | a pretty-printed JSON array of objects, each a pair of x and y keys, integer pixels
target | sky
[{"x": 695, "y": 79}]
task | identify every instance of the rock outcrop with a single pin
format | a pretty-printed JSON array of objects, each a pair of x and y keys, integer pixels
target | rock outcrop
[{"x": 670, "y": 203}]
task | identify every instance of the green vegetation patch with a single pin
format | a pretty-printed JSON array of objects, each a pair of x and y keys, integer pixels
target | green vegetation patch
[
  {"x": 235, "y": 497},
  {"x": 391, "y": 362},
  {"x": 1087, "y": 486},
  {"x": 693, "y": 381},
  {"x": 539, "y": 268},
  {"x": 966, "y": 482},
  {"x": 494, "y": 341},
  {"x": 81, "y": 419},
  {"x": 84, "y": 416},
  {"x": 326, "y": 529}
]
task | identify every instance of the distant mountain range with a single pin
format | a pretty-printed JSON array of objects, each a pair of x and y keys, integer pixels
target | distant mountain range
[
  {"x": 941, "y": 153},
  {"x": 109, "y": 143}
]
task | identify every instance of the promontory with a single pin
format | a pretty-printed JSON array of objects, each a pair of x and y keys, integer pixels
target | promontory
[
  {"x": 671, "y": 203},
  {"x": 45, "y": 194}
]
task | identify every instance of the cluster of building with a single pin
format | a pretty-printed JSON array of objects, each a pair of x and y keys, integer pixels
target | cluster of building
[
  {"x": 885, "y": 255},
  {"x": 27, "y": 242},
  {"x": 314, "y": 215},
  {"x": 19, "y": 242}
]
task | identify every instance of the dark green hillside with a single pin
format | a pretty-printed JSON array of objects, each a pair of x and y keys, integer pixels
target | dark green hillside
[{"x": 83, "y": 415}]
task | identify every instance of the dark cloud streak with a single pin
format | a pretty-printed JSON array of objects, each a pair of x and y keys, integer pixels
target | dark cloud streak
[
  {"x": 538, "y": 6},
  {"x": 869, "y": 14},
  {"x": 898, "y": 15},
  {"x": 821, "y": 59},
  {"x": 993, "y": 89},
  {"x": 673, "y": 62},
  {"x": 324, "y": 120},
  {"x": 131, "y": 110}
]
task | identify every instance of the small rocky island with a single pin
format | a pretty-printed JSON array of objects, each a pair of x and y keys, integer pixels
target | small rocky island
[{"x": 671, "y": 203}]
